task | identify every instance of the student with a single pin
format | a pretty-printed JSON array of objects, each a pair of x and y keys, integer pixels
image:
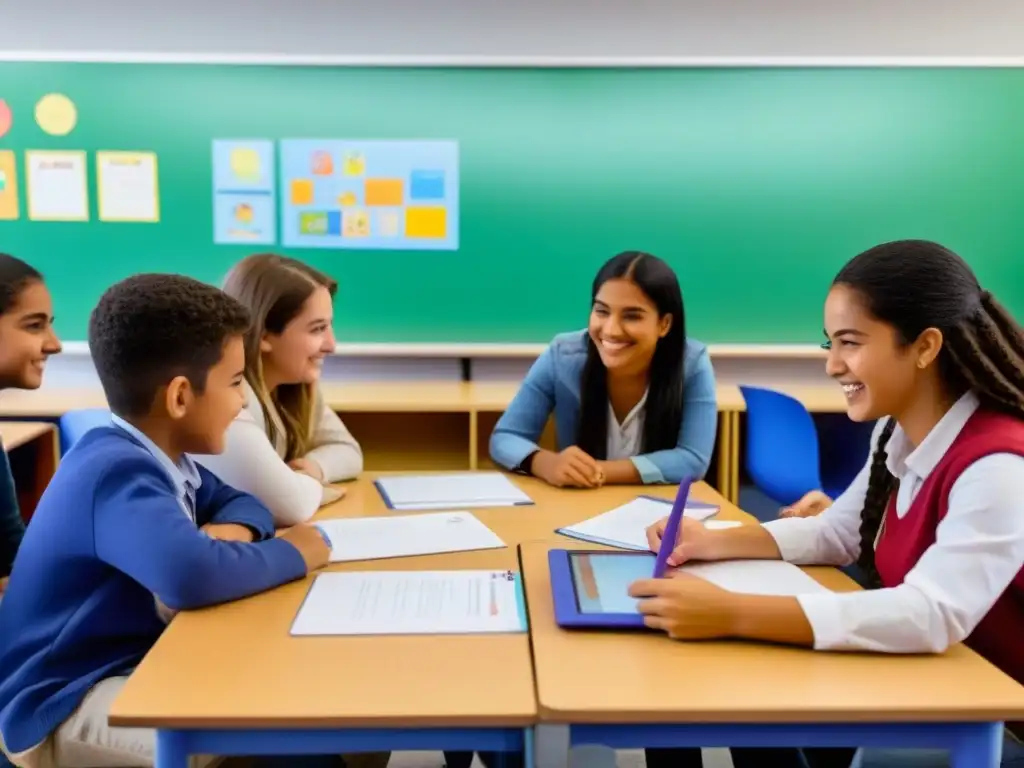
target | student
[
  {"x": 130, "y": 530},
  {"x": 633, "y": 398},
  {"x": 935, "y": 519},
  {"x": 27, "y": 340},
  {"x": 287, "y": 445}
]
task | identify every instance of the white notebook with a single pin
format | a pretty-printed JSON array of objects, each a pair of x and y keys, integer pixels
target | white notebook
[
  {"x": 625, "y": 527},
  {"x": 412, "y": 603},
  {"x": 466, "y": 490},
  {"x": 375, "y": 538}
]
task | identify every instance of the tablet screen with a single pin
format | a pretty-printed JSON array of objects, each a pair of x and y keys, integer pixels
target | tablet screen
[{"x": 601, "y": 579}]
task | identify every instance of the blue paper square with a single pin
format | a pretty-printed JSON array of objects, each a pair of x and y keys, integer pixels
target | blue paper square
[
  {"x": 426, "y": 185},
  {"x": 334, "y": 223}
]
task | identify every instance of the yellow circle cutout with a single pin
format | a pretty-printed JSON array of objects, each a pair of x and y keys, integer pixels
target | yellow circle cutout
[{"x": 56, "y": 114}]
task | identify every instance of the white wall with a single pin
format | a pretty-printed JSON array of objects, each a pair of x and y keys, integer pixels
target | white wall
[
  {"x": 764, "y": 30},
  {"x": 564, "y": 28}
]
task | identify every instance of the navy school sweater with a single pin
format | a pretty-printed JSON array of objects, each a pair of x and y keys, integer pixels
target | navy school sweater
[{"x": 108, "y": 538}]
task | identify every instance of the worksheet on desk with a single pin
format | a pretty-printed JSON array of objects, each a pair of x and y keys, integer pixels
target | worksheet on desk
[
  {"x": 412, "y": 603},
  {"x": 374, "y": 538},
  {"x": 625, "y": 527}
]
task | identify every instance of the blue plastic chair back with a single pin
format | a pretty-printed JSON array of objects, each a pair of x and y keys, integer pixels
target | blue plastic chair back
[
  {"x": 74, "y": 424},
  {"x": 781, "y": 453}
]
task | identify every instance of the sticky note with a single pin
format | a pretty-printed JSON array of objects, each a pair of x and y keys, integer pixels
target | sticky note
[
  {"x": 356, "y": 223},
  {"x": 354, "y": 164},
  {"x": 302, "y": 192},
  {"x": 384, "y": 192},
  {"x": 426, "y": 222},
  {"x": 56, "y": 114},
  {"x": 426, "y": 185},
  {"x": 313, "y": 223},
  {"x": 8, "y": 186},
  {"x": 245, "y": 164},
  {"x": 6, "y": 118},
  {"x": 334, "y": 223},
  {"x": 389, "y": 224},
  {"x": 321, "y": 163}
]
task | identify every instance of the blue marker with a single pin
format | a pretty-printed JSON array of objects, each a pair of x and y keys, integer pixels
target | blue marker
[{"x": 675, "y": 519}]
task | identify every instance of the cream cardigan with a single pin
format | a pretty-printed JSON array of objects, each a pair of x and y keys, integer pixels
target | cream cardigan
[{"x": 251, "y": 463}]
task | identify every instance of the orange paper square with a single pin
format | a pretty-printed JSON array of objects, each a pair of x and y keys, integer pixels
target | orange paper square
[
  {"x": 302, "y": 192},
  {"x": 426, "y": 222},
  {"x": 385, "y": 192}
]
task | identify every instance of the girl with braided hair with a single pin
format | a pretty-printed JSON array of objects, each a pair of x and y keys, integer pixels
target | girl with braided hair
[{"x": 936, "y": 518}]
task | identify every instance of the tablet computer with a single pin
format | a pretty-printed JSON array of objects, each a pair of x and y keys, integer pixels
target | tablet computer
[{"x": 590, "y": 588}]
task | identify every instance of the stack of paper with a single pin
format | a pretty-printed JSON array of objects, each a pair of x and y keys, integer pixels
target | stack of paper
[
  {"x": 625, "y": 527},
  {"x": 457, "y": 491},
  {"x": 373, "y": 538},
  {"x": 412, "y": 603}
]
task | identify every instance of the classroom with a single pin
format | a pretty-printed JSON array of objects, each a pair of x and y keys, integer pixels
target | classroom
[{"x": 519, "y": 302}]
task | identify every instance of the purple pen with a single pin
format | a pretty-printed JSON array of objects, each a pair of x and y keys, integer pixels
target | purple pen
[{"x": 675, "y": 519}]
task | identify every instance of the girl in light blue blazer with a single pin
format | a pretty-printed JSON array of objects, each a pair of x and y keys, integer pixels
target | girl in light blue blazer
[{"x": 633, "y": 399}]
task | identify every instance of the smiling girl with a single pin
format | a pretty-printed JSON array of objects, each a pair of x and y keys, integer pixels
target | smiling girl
[
  {"x": 287, "y": 445},
  {"x": 27, "y": 340},
  {"x": 935, "y": 519},
  {"x": 633, "y": 398}
]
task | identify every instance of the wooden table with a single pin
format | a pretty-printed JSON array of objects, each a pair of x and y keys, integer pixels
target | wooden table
[
  {"x": 33, "y": 449},
  {"x": 230, "y": 680},
  {"x": 631, "y": 690}
]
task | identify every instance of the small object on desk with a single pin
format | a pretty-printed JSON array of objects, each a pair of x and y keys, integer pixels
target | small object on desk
[
  {"x": 671, "y": 532},
  {"x": 412, "y": 603},
  {"x": 625, "y": 527},
  {"x": 717, "y": 525},
  {"x": 590, "y": 589},
  {"x": 375, "y": 538},
  {"x": 467, "y": 490}
]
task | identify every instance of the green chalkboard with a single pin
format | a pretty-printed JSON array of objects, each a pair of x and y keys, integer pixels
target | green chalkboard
[{"x": 756, "y": 184}]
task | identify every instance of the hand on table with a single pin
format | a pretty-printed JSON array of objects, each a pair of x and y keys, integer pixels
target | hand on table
[
  {"x": 569, "y": 468},
  {"x": 811, "y": 504},
  {"x": 685, "y": 607}
]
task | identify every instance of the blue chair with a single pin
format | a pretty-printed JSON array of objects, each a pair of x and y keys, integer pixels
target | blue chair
[
  {"x": 74, "y": 424},
  {"x": 782, "y": 449}
]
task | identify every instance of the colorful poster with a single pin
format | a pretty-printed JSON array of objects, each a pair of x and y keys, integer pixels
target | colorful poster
[
  {"x": 8, "y": 186},
  {"x": 373, "y": 194},
  {"x": 128, "y": 187},
  {"x": 244, "y": 192},
  {"x": 56, "y": 185}
]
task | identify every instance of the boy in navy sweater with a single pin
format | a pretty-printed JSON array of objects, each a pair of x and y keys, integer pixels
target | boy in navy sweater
[{"x": 130, "y": 530}]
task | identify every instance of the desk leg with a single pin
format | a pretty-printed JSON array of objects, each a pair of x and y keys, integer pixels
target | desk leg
[
  {"x": 171, "y": 750},
  {"x": 551, "y": 746},
  {"x": 980, "y": 747}
]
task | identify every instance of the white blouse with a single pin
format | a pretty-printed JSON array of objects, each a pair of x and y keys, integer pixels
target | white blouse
[
  {"x": 624, "y": 440},
  {"x": 252, "y": 464},
  {"x": 978, "y": 550}
]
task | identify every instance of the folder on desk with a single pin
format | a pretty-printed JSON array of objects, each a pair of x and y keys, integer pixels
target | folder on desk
[
  {"x": 413, "y": 603},
  {"x": 625, "y": 527},
  {"x": 468, "y": 490}
]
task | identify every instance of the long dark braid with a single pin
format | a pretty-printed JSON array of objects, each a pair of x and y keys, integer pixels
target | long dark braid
[{"x": 915, "y": 285}]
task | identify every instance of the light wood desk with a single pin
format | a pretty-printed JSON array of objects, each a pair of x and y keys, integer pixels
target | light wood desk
[
  {"x": 33, "y": 449},
  {"x": 219, "y": 678},
  {"x": 667, "y": 693}
]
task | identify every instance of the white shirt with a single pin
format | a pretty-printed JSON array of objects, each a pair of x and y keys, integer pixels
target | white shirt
[
  {"x": 624, "y": 439},
  {"x": 978, "y": 550},
  {"x": 251, "y": 463}
]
